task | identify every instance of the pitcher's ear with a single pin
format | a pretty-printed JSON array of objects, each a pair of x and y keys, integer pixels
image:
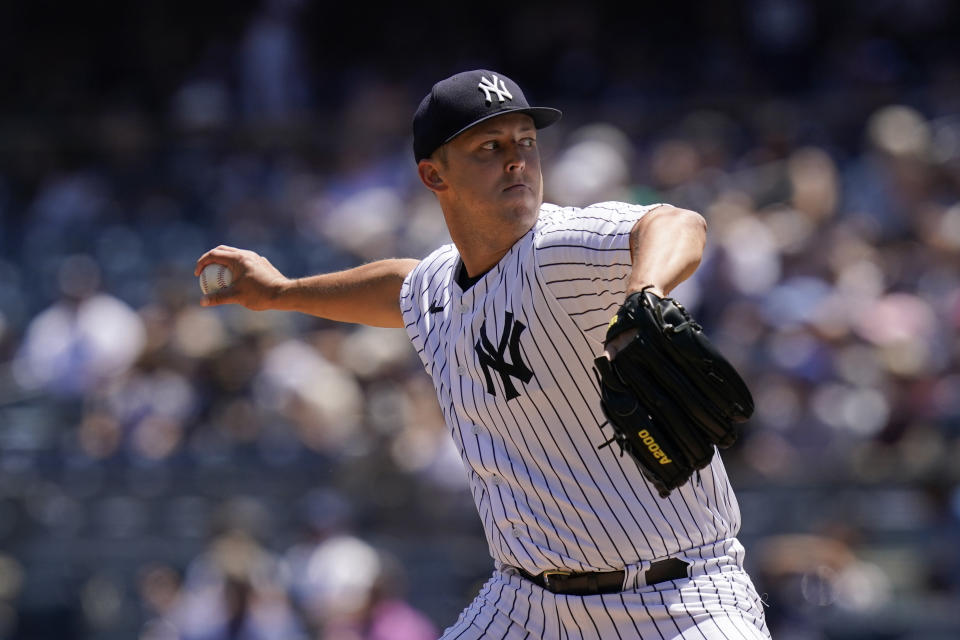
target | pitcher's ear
[{"x": 430, "y": 175}]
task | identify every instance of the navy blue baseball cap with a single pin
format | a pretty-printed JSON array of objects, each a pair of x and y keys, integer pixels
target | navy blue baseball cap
[{"x": 462, "y": 100}]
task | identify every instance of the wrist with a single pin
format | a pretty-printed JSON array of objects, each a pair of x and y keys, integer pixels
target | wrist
[
  {"x": 282, "y": 294},
  {"x": 652, "y": 288}
]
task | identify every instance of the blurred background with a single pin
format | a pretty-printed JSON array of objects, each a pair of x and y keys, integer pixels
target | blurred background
[{"x": 172, "y": 472}]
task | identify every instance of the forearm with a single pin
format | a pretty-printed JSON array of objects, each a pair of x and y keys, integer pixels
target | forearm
[
  {"x": 666, "y": 246},
  {"x": 368, "y": 294}
]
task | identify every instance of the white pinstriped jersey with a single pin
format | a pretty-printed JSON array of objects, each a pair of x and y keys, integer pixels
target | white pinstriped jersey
[{"x": 511, "y": 360}]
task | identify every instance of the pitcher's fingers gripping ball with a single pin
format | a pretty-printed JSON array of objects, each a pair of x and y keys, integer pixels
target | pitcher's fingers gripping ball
[
  {"x": 215, "y": 277},
  {"x": 669, "y": 395}
]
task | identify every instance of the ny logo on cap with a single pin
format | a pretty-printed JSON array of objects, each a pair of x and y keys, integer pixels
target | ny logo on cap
[{"x": 487, "y": 87}]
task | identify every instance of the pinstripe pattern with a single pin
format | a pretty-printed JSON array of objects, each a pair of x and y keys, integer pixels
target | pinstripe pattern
[
  {"x": 547, "y": 497},
  {"x": 722, "y": 605}
]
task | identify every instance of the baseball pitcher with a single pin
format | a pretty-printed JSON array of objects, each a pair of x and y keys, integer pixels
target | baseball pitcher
[{"x": 587, "y": 404}]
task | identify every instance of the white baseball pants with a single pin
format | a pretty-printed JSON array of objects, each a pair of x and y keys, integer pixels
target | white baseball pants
[{"x": 721, "y": 605}]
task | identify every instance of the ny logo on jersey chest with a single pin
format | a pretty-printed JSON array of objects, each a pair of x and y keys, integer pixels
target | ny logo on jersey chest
[{"x": 494, "y": 358}]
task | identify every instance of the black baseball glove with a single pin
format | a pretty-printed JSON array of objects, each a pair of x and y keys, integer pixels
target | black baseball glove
[{"x": 669, "y": 394}]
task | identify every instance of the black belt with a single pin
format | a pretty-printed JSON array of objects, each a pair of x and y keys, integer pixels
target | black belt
[{"x": 597, "y": 582}]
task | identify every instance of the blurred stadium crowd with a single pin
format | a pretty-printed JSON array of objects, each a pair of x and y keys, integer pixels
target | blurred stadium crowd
[{"x": 174, "y": 472}]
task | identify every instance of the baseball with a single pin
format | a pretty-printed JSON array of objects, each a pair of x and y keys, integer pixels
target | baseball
[{"x": 215, "y": 277}]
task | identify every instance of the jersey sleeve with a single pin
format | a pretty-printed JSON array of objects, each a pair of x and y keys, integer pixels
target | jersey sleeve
[
  {"x": 421, "y": 289},
  {"x": 412, "y": 293},
  {"x": 584, "y": 259}
]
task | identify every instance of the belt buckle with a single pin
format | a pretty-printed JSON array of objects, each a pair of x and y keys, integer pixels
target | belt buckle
[{"x": 553, "y": 572}]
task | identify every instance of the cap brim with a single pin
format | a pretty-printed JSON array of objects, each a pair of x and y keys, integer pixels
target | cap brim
[{"x": 542, "y": 117}]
